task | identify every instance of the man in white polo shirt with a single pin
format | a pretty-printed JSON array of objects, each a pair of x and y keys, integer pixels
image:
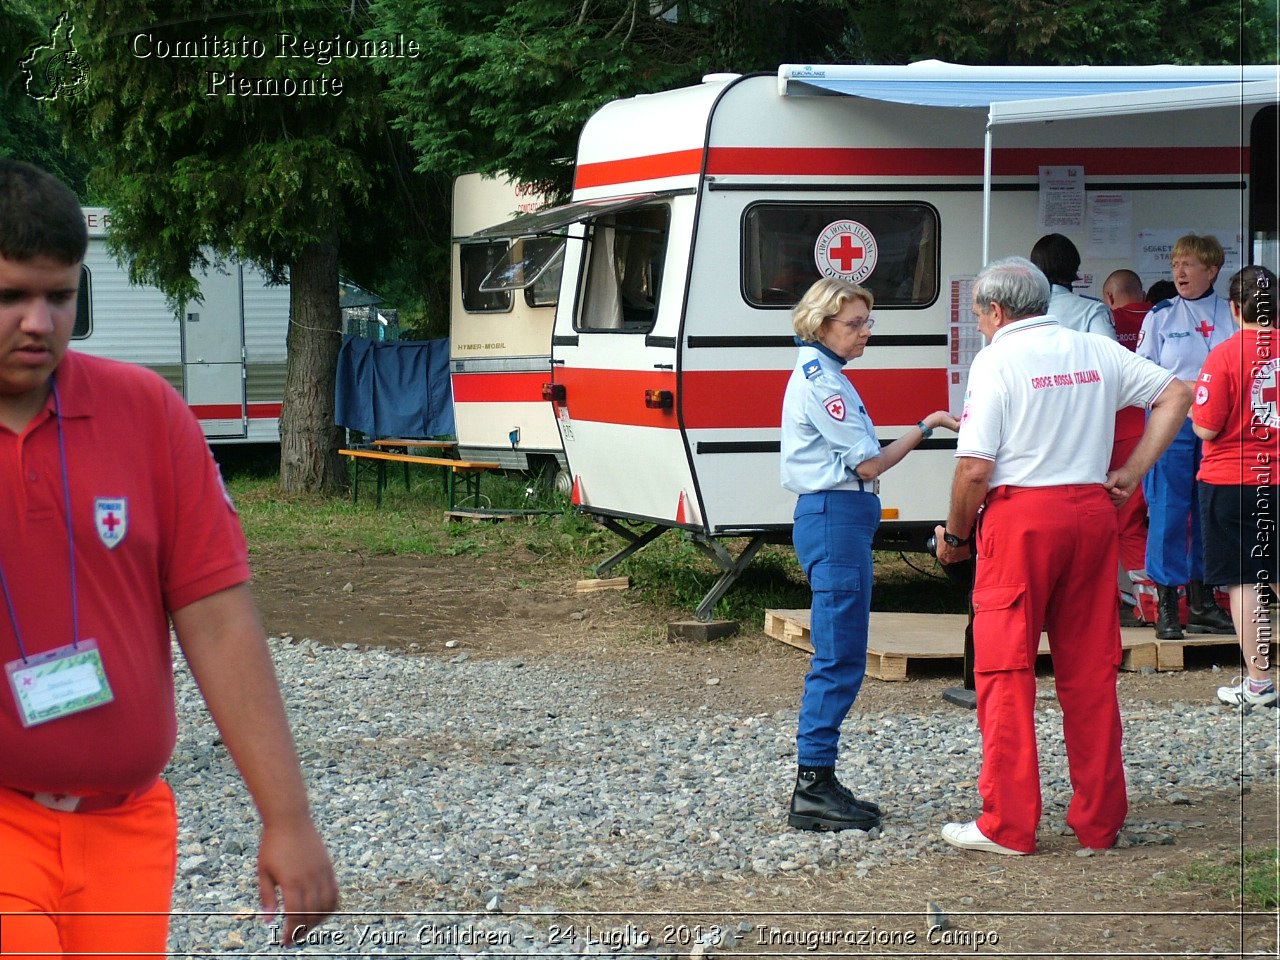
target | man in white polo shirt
[{"x": 1034, "y": 445}]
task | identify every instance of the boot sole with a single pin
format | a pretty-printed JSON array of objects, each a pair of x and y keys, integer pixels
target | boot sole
[
  {"x": 1201, "y": 630},
  {"x": 801, "y": 822}
]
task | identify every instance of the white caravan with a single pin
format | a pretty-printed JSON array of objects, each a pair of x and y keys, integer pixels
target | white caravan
[
  {"x": 225, "y": 355},
  {"x": 700, "y": 215},
  {"x": 500, "y": 339}
]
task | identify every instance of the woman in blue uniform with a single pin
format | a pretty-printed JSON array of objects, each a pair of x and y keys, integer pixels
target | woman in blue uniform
[{"x": 831, "y": 458}]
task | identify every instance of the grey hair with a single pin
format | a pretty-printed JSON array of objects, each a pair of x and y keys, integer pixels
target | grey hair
[{"x": 1016, "y": 284}]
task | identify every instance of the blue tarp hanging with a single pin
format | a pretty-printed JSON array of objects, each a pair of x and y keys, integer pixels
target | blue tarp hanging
[{"x": 398, "y": 389}]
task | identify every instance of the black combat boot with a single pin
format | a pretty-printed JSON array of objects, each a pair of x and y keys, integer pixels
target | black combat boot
[
  {"x": 820, "y": 802},
  {"x": 1168, "y": 625},
  {"x": 1203, "y": 613}
]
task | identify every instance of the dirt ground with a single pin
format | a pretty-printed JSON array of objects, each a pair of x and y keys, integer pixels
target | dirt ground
[{"x": 1129, "y": 902}]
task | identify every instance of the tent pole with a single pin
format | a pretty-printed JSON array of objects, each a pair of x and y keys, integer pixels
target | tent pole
[{"x": 986, "y": 196}]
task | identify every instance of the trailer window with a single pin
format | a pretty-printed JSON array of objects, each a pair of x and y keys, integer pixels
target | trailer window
[
  {"x": 889, "y": 248},
  {"x": 84, "y": 307},
  {"x": 624, "y": 270},
  {"x": 478, "y": 259}
]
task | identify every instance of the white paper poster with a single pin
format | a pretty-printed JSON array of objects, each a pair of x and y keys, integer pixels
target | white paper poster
[
  {"x": 1061, "y": 199},
  {"x": 964, "y": 340},
  {"x": 1110, "y": 225}
]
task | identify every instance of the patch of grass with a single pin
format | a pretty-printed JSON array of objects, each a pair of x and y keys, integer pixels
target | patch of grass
[{"x": 1256, "y": 886}]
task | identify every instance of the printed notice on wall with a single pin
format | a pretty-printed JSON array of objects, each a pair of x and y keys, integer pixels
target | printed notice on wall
[
  {"x": 964, "y": 340},
  {"x": 1111, "y": 225},
  {"x": 1061, "y": 198}
]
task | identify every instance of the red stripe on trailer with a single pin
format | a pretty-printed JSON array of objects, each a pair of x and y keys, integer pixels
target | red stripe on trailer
[
  {"x": 233, "y": 411},
  {"x": 740, "y": 399},
  {"x": 912, "y": 162},
  {"x": 967, "y": 161},
  {"x": 499, "y": 387},
  {"x": 679, "y": 163},
  {"x": 753, "y": 398}
]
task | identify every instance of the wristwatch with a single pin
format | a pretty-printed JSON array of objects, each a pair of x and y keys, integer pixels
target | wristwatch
[
  {"x": 926, "y": 431},
  {"x": 953, "y": 541}
]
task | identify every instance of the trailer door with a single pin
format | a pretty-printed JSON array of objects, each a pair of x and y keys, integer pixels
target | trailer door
[{"x": 213, "y": 354}]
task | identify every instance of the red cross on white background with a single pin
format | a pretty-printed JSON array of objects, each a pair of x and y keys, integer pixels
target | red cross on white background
[
  {"x": 845, "y": 253},
  {"x": 111, "y": 521}
]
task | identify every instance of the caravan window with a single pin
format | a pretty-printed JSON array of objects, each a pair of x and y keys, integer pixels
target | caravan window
[
  {"x": 478, "y": 259},
  {"x": 624, "y": 270},
  {"x": 84, "y": 310},
  {"x": 889, "y": 248},
  {"x": 545, "y": 291}
]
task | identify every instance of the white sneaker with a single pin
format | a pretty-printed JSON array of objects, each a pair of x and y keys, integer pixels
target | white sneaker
[
  {"x": 1241, "y": 694},
  {"x": 967, "y": 836}
]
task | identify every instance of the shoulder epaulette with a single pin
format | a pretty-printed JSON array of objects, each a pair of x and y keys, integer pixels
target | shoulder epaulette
[{"x": 1162, "y": 305}]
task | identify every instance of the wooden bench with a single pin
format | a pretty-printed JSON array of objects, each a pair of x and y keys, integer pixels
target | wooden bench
[
  {"x": 447, "y": 448},
  {"x": 471, "y": 470}
]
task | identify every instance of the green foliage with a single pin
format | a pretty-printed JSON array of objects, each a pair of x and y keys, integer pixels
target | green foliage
[
  {"x": 1081, "y": 32},
  {"x": 30, "y": 56}
]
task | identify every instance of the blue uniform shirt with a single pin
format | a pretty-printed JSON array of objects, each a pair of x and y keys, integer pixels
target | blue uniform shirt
[
  {"x": 1179, "y": 333},
  {"x": 826, "y": 432}
]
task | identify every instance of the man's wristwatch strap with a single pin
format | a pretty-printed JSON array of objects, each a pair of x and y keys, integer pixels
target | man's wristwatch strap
[{"x": 953, "y": 541}]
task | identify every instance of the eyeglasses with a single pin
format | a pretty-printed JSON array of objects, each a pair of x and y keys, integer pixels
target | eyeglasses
[{"x": 855, "y": 325}]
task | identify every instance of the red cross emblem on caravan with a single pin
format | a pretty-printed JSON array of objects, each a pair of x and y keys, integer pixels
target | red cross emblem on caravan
[
  {"x": 111, "y": 520},
  {"x": 847, "y": 250}
]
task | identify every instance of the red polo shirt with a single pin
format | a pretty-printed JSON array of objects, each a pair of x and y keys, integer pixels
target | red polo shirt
[
  {"x": 131, "y": 442},
  {"x": 1237, "y": 395}
]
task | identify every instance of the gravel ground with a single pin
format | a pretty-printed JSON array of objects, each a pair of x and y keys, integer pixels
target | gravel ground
[{"x": 466, "y": 790}]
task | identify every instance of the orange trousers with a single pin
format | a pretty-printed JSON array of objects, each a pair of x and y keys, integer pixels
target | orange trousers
[
  {"x": 1047, "y": 561},
  {"x": 87, "y": 884}
]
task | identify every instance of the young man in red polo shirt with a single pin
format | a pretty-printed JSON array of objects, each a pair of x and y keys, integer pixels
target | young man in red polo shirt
[{"x": 115, "y": 522}]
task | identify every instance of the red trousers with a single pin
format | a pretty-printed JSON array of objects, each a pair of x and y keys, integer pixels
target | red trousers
[
  {"x": 87, "y": 884},
  {"x": 1132, "y": 518},
  {"x": 1047, "y": 561}
]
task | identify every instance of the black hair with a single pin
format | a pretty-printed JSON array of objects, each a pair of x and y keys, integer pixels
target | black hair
[
  {"x": 1057, "y": 257},
  {"x": 39, "y": 216},
  {"x": 1253, "y": 290}
]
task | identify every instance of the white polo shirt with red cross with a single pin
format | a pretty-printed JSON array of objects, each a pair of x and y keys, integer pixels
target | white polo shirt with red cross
[{"x": 1042, "y": 402}]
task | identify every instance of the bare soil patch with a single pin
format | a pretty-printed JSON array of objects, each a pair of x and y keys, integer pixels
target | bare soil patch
[{"x": 1133, "y": 901}]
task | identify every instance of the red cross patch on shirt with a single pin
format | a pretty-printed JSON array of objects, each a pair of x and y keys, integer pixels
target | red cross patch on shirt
[{"x": 835, "y": 406}]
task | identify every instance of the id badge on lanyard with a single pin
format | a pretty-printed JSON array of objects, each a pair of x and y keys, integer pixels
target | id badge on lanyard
[
  {"x": 58, "y": 683},
  {"x": 65, "y": 680}
]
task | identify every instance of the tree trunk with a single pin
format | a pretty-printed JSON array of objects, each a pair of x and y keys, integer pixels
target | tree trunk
[{"x": 309, "y": 438}]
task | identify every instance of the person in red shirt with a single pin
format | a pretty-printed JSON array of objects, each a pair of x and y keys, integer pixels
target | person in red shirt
[
  {"x": 1122, "y": 293},
  {"x": 115, "y": 522},
  {"x": 1237, "y": 414}
]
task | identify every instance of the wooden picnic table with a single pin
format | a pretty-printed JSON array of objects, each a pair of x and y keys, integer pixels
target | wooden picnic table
[{"x": 471, "y": 470}]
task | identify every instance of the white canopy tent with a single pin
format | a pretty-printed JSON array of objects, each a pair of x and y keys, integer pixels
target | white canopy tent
[{"x": 1046, "y": 110}]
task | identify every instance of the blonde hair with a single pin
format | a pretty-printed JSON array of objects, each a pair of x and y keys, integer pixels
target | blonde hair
[
  {"x": 825, "y": 299},
  {"x": 1206, "y": 249}
]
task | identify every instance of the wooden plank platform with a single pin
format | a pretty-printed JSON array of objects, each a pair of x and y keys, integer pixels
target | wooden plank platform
[
  {"x": 494, "y": 515},
  {"x": 898, "y": 638},
  {"x": 1169, "y": 652}
]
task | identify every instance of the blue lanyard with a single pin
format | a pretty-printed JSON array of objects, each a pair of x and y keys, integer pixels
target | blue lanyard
[{"x": 71, "y": 544}]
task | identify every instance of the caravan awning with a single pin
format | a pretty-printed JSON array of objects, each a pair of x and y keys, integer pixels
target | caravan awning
[
  {"x": 933, "y": 83},
  {"x": 556, "y": 218},
  {"x": 1125, "y": 104}
]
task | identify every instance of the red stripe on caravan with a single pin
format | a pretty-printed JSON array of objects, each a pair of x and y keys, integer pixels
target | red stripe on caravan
[
  {"x": 739, "y": 399},
  {"x": 232, "y": 411},
  {"x": 967, "y": 161},
  {"x": 499, "y": 387},
  {"x": 753, "y": 398},
  {"x": 616, "y": 396},
  {"x": 217, "y": 411},
  {"x": 653, "y": 167}
]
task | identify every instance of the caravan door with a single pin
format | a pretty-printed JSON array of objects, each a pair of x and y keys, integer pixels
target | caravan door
[
  {"x": 614, "y": 361},
  {"x": 213, "y": 354}
]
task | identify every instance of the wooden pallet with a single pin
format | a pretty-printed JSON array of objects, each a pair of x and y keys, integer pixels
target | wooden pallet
[
  {"x": 1169, "y": 652},
  {"x": 899, "y": 638}
]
